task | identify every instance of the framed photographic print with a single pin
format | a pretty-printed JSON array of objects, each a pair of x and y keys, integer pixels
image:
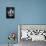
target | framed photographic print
[{"x": 10, "y": 12}]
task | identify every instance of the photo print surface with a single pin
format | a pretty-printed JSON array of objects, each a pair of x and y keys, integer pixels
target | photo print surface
[{"x": 10, "y": 12}]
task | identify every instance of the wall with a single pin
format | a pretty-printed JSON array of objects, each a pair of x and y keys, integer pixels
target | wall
[
  {"x": 6, "y": 25},
  {"x": 31, "y": 11}
]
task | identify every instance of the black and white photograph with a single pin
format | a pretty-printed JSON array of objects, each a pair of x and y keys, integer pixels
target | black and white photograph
[{"x": 10, "y": 12}]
